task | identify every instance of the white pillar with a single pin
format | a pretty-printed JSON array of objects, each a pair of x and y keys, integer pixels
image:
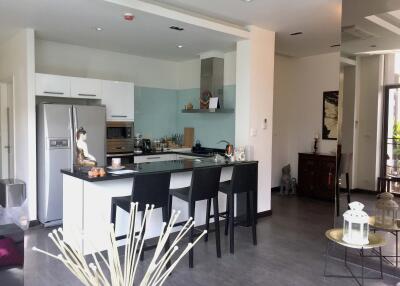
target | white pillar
[{"x": 254, "y": 104}]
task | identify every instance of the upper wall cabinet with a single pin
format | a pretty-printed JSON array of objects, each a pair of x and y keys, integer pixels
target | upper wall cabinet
[
  {"x": 85, "y": 88},
  {"x": 52, "y": 85},
  {"x": 119, "y": 99}
]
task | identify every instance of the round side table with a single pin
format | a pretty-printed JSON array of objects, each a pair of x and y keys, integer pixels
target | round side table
[
  {"x": 395, "y": 229},
  {"x": 335, "y": 236}
]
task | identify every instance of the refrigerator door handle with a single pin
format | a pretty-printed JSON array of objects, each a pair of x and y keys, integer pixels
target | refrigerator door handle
[
  {"x": 72, "y": 131},
  {"x": 75, "y": 117}
]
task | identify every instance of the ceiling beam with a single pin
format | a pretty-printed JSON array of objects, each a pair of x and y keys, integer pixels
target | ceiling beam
[
  {"x": 184, "y": 17},
  {"x": 347, "y": 61},
  {"x": 384, "y": 24}
]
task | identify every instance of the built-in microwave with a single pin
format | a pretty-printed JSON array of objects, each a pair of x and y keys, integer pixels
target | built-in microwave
[{"x": 119, "y": 130}]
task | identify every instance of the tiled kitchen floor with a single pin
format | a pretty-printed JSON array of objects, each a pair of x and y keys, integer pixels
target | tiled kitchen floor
[{"x": 290, "y": 251}]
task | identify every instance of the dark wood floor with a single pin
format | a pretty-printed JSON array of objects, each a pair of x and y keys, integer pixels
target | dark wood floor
[{"x": 290, "y": 252}]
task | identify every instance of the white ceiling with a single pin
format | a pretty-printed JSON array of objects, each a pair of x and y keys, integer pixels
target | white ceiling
[
  {"x": 74, "y": 22},
  {"x": 354, "y": 13},
  {"x": 319, "y": 20}
]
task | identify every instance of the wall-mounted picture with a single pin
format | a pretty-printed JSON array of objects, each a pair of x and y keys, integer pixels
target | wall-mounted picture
[{"x": 330, "y": 115}]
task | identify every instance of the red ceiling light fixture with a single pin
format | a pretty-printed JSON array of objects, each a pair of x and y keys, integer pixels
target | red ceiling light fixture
[{"x": 129, "y": 16}]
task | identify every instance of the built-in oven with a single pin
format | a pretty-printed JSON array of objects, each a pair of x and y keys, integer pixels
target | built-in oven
[
  {"x": 120, "y": 142},
  {"x": 126, "y": 158}
]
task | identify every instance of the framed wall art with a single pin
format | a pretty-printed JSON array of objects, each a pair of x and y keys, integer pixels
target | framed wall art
[{"x": 330, "y": 115}]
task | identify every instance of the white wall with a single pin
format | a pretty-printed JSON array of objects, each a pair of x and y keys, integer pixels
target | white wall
[
  {"x": 347, "y": 129},
  {"x": 282, "y": 93},
  {"x": 300, "y": 83},
  {"x": 64, "y": 59},
  {"x": 368, "y": 103},
  {"x": 254, "y": 104},
  {"x": 17, "y": 63}
]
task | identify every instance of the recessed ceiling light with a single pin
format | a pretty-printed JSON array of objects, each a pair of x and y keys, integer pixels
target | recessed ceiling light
[
  {"x": 99, "y": 29},
  {"x": 247, "y": 1},
  {"x": 296, "y": 33},
  {"x": 176, "y": 28},
  {"x": 180, "y": 46},
  {"x": 129, "y": 16}
]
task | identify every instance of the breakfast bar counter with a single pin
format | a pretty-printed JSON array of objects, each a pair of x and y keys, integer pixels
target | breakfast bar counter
[
  {"x": 176, "y": 166},
  {"x": 87, "y": 201}
]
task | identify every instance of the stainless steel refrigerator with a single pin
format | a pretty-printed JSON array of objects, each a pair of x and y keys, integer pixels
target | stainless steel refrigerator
[{"x": 56, "y": 139}]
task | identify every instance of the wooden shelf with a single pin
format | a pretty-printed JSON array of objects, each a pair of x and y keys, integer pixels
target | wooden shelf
[{"x": 212, "y": 110}]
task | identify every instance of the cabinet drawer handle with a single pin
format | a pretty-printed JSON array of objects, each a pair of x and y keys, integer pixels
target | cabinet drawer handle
[
  {"x": 152, "y": 158},
  {"x": 119, "y": 116},
  {"x": 86, "y": 94},
  {"x": 53, "y": 92},
  {"x": 119, "y": 155}
]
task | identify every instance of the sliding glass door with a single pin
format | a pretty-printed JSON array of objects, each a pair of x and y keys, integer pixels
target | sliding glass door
[{"x": 391, "y": 140}]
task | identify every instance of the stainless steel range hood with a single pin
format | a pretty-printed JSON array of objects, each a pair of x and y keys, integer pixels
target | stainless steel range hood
[
  {"x": 211, "y": 82},
  {"x": 212, "y": 78}
]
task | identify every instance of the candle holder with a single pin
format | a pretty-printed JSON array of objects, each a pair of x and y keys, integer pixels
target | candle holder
[{"x": 315, "y": 145}]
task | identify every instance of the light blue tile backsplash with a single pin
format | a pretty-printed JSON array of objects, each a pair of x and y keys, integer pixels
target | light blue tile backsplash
[
  {"x": 158, "y": 113},
  {"x": 155, "y": 111},
  {"x": 209, "y": 128}
]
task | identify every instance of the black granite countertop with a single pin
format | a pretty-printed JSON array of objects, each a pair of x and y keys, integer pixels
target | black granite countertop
[
  {"x": 175, "y": 166},
  {"x": 208, "y": 152},
  {"x": 173, "y": 152}
]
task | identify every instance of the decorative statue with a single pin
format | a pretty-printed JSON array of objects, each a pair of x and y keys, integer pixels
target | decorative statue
[
  {"x": 287, "y": 182},
  {"x": 84, "y": 158},
  {"x": 205, "y": 99}
]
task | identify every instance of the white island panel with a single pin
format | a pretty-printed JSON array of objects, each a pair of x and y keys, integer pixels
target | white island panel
[
  {"x": 73, "y": 211},
  {"x": 87, "y": 209}
]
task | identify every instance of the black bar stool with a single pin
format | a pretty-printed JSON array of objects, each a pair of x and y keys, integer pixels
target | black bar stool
[
  {"x": 152, "y": 189},
  {"x": 244, "y": 180},
  {"x": 204, "y": 186}
]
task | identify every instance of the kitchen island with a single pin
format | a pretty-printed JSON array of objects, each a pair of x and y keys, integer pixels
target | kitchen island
[{"x": 87, "y": 201}]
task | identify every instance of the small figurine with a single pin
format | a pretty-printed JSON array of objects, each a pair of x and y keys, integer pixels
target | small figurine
[
  {"x": 287, "y": 182},
  {"x": 84, "y": 158}
]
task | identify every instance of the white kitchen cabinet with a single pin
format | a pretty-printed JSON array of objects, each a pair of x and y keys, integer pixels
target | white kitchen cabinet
[
  {"x": 162, "y": 157},
  {"x": 119, "y": 100},
  {"x": 52, "y": 85},
  {"x": 181, "y": 157},
  {"x": 155, "y": 158},
  {"x": 88, "y": 88}
]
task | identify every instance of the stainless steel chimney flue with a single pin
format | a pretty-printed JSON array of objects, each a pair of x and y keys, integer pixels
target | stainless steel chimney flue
[{"x": 212, "y": 78}]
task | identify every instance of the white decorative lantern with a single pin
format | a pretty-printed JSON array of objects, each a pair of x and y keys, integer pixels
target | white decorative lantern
[
  {"x": 355, "y": 225},
  {"x": 386, "y": 210}
]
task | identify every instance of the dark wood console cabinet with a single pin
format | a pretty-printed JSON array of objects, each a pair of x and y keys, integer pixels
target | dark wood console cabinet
[{"x": 316, "y": 176}]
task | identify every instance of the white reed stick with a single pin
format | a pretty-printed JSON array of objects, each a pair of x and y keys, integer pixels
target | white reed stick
[{"x": 92, "y": 274}]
